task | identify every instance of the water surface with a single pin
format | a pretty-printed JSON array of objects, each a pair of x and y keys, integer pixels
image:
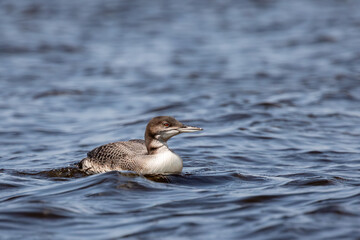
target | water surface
[{"x": 275, "y": 85}]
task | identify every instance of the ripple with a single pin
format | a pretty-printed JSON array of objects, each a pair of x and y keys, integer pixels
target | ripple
[
  {"x": 37, "y": 212},
  {"x": 311, "y": 182},
  {"x": 197, "y": 180},
  {"x": 250, "y": 177},
  {"x": 259, "y": 199},
  {"x": 57, "y": 92},
  {"x": 233, "y": 117},
  {"x": 267, "y": 105},
  {"x": 60, "y": 174},
  {"x": 166, "y": 107},
  {"x": 332, "y": 209}
]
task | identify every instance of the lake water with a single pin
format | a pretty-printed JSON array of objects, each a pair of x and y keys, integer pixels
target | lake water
[{"x": 274, "y": 84}]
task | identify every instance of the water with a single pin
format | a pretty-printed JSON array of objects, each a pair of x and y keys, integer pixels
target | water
[{"x": 275, "y": 85}]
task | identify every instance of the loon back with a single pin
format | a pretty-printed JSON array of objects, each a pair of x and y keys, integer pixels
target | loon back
[{"x": 114, "y": 156}]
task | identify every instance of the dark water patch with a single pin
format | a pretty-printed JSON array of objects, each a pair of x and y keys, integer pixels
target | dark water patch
[
  {"x": 201, "y": 202},
  {"x": 5, "y": 185},
  {"x": 339, "y": 199},
  {"x": 131, "y": 123},
  {"x": 323, "y": 156},
  {"x": 259, "y": 199},
  {"x": 11, "y": 133},
  {"x": 51, "y": 213},
  {"x": 342, "y": 95},
  {"x": 169, "y": 107},
  {"x": 311, "y": 182},
  {"x": 12, "y": 198},
  {"x": 140, "y": 187},
  {"x": 62, "y": 174},
  {"x": 328, "y": 153},
  {"x": 150, "y": 232},
  {"x": 57, "y": 92},
  {"x": 332, "y": 209},
  {"x": 268, "y": 105},
  {"x": 42, "y": 49},
  {"x": 282, "y": 123},
  {"x": 233, "y": 117},
  {"x": 289, "y": 149},
  {"x": 8, "y": 49},
  {"x": 213, "y": 146},
  {"x": 32, "y": 9},
  {"x": 261, "y": 137},
  {"x": 49, "y": 131},
  {"x": 194, "y": 180},
  {"x": 321, "y": 39},
  {"x": 240, "y": 158},
  {"x": 314, "y": 152},
  {"x": 329, "y": 115},
  {"x": 231, "y": 104},
  {"x": 64, "y": 48}
]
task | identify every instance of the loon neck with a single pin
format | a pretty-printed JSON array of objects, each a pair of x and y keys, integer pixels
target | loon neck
[{"x": 155, "y": 145}]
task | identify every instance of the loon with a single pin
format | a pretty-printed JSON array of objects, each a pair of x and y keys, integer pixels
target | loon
[{"x": 151, "y": 156}]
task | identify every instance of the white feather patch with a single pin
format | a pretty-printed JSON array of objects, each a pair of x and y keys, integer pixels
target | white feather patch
[{"x": 164, "y": 162}]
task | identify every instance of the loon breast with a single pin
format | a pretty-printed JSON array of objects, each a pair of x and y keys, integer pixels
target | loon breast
[{"x": 164, "y": 162}]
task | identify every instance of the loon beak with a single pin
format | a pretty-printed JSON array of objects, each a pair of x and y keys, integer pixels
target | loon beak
[{"x": 188, "y": 129}]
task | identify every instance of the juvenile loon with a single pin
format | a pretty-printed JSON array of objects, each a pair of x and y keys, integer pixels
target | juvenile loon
[{"x": 151, "y": 156}]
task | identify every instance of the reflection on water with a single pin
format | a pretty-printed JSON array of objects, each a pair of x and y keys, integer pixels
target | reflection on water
[{"x": 275, "y": 85}]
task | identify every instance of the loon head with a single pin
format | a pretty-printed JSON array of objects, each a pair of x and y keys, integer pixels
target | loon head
[{"x": 162, "y": 128}]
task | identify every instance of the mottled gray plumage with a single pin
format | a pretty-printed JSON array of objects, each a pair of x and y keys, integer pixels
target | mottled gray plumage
[
  {"x": 108, "y": 156},
  {"x": 145, "y": 157}
]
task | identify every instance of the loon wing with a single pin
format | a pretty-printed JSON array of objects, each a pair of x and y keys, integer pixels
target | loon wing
[
  {"x": 118, "y": 150},
  {"x": 114, "y": 156}
]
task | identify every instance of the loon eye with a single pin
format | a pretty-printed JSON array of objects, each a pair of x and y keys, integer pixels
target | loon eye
[{"x": 166, "y": 124}]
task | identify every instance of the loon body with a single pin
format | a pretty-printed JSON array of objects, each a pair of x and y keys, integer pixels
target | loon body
[{"x": 151, "y": 156}]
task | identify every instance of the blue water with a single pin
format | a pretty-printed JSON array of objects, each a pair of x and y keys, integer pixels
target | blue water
[{"x": 274, "y": 84}]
